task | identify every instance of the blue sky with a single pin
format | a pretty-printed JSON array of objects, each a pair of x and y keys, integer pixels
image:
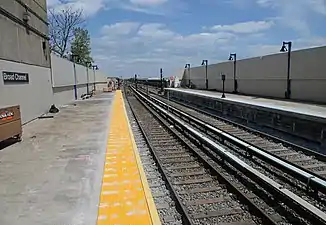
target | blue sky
[{"x": 141, "y": 36}]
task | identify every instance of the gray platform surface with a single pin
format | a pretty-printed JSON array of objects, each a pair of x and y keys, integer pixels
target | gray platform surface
[
  {"x": 53, "y": 177},
  {"x": 288, "y": 106}
]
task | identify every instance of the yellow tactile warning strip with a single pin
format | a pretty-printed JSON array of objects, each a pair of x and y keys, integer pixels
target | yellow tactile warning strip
[{"x": 125, "y": 196}]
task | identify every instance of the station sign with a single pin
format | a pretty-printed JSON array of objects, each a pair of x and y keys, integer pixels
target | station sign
[{"x": 14, "y": 77}]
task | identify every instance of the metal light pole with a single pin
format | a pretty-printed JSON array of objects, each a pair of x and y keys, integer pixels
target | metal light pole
[
  {"x": 88, "y": 64},
  {"x": 95, "y": 67},
  {"x": 233, "y": 57},
  {"x": 168, "y": 100},
  {"x": 147, "y": 86},
  {"x": 288, "y": 81},
  {"x": 74, "y": 57},
  {"x": 189, "y": 67},
  {"x": 205, "y": 62},
  {"x": 161, "y": 73},
  {"x": 136, "y": 81},
  {"x": 223, "y": 81}
]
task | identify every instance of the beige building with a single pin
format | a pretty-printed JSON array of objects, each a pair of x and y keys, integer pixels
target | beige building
[{"x": 24, "y": 32}]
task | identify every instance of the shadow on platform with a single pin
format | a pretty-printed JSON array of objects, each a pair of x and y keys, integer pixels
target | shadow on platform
[{"x": 6, "y": 143}]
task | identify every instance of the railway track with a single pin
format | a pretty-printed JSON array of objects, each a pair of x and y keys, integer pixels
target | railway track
[
  {"x": 262, "y": 202},
  {"x": 202, "y": 197},
  {"x": 301, "y": 156},
  {"x": 164, "y": 203},
  {"x": 304, "y": 158},
  {"x": 297, "y": 179}
]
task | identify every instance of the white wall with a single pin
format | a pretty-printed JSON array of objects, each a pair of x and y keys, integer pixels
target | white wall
[
  {"x": 63, "y": 77},
  {"x": 101, "y": 79},
  {"x": 91, "y": 76},
  {"x": 81, "y": 74},
  {"x": 63, "y": 95},
  {"x": 267, "y": 75},
  {"x": 100, "y": 76},
  {"x": 99, "y": 87},
  {"x": 34, "y": 97},
  {"x": 18, "y": 45},
  {"x": 62, "y": 72},
  {"x": 308, "y": 74},
  {"x": 46, "y": 88}
]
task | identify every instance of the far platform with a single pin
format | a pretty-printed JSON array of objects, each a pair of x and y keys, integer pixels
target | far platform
[
  {"x": 301, "y": 119},
  {"x": 306, "y": 109}
]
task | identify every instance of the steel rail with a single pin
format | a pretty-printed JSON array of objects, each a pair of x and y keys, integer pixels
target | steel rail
[
  {"x": 311, "y": 179},
  {"x": 182, "y": 210},
  {"x": 253, "y": 208},
  {"x": 307, "y": 151},
  {"x": 306, "y": 209}
]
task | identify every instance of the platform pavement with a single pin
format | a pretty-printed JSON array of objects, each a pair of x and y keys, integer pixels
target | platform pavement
[
  {"x": 53, "y": 177},
  {"x": 307, "y": 109},
  {"x": 61, "y": 172}
]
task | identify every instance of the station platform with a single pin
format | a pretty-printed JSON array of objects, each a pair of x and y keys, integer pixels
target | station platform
[
  {"x": 80, "y": 167},
  {"x": 301, "y": 119},
  {"x": 305, "y": 109}
]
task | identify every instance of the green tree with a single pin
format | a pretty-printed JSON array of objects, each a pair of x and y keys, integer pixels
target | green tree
[{"x": 81, "y": 46}]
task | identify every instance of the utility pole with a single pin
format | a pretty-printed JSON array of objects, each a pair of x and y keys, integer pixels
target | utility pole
[
  {"x": 233, "y": 56},
  {"x": 288, "y": 80},
  {"x": 136, "y": 81},
  {"x": 88, "y": 64},
  {"x": 74, "y": 57},
  {"x": 205, "y": 63},
  {"x": 161, "y": 72}
]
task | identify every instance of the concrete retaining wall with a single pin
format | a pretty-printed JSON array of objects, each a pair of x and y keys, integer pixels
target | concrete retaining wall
[
  {"x": 46, "y": 86},
  {"x": 16, "y": 43},
  {"x": 62, "y": 72},
  {"x": 63, "y": 77},
  {"x": 34, "y": 97},
  {"x": 266, "y": 76}
]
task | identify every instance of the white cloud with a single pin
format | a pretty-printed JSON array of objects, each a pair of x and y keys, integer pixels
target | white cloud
[
  {"x": 156, "y": 30},
  {"x": 309, "y": 42},
  {"x": 296, "y": 15},
  {"x": 265, "y": 3},
  {"x": 244, "y": 27},
  {"x": 169, "y": 8},
  {"x": 52, "y": 3},
  {"x": 300, "y": 43},
  {"x": 148, "y": 2},
  {"x": 241, "y": 3},
  {"x": 130, "y": 47},
  {"x": 89, "y": 8},
  {"x": 318, "y": 6},
  {"x": 126, "y": 48},
  {"x": 123, "y": 28},
  {"x": 260, "y": 49},
  {"x": 146, "y": 47}
]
